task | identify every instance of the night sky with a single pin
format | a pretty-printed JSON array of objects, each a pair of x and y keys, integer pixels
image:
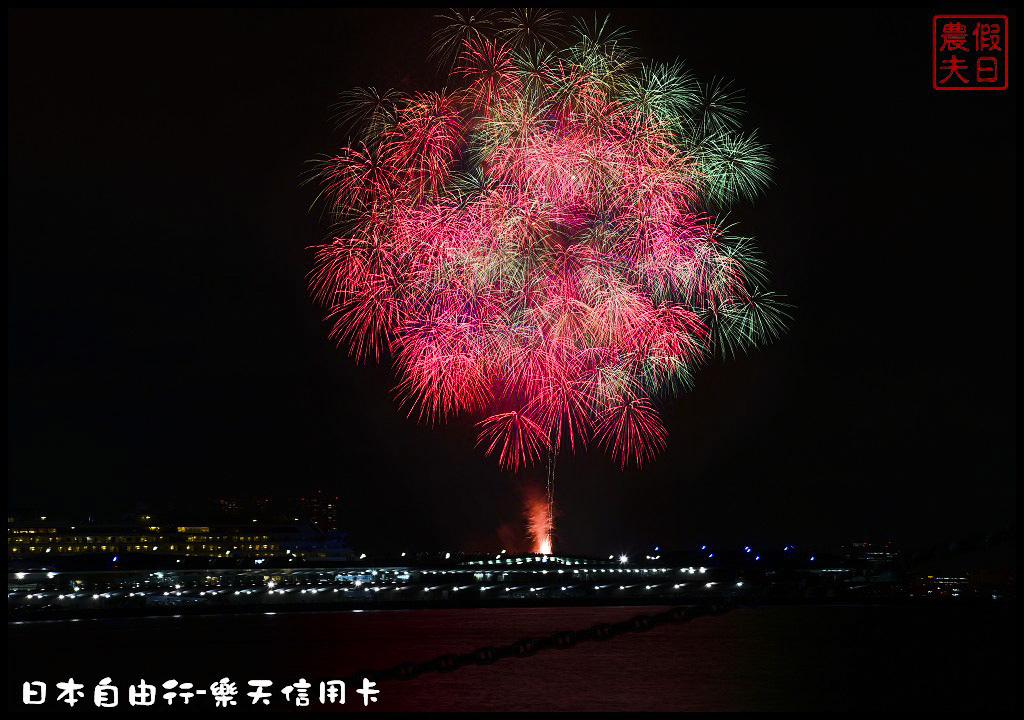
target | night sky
[{"x": 163, "y": 350}]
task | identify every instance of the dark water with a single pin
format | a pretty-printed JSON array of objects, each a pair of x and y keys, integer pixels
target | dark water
[{"x": 770, "y": 658}]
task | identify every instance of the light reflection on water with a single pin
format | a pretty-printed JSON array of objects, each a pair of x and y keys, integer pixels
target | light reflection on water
[{"x": 769, "y": 658}]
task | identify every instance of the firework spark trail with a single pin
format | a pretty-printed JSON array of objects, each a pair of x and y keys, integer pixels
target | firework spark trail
[{"x": 538, "y": 244}]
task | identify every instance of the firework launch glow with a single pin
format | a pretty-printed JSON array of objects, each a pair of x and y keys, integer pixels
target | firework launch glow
[
  {"x": 540, "y": 523},
  {"x": 540, "y": 244}
]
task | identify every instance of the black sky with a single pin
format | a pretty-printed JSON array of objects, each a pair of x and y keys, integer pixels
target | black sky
[{"x": 162, "y": 346}]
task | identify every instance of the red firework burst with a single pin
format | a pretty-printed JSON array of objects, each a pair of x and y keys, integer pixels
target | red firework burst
[{"x": 539, "y": 246}]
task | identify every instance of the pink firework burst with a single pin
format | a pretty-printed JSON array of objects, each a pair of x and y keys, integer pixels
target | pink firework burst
[{"x": 538, "y": 244}]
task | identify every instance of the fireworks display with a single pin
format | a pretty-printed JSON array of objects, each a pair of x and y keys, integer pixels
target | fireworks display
[{"x": 539, "y": 244}]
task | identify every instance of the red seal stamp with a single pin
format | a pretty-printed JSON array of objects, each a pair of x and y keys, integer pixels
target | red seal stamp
[{"x": 970, "y": 52}]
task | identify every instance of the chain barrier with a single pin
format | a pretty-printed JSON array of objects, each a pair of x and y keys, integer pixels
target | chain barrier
[{"x": 555, "y": 641}]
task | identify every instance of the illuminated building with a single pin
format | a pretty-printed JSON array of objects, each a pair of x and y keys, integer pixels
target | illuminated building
[
  {"x": 321, "y": 510},
  {"x": 865, "y": 551},
  {"x": 47, "y": 539}
]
